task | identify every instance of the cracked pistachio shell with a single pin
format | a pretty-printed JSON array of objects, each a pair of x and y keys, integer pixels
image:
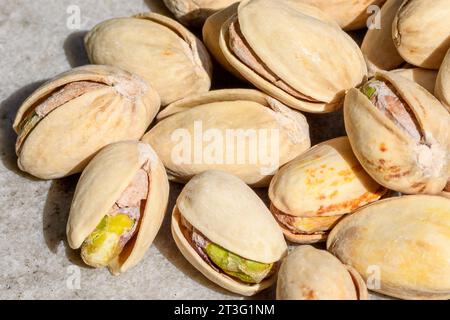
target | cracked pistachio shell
[
  {"x": 387, "y": 152},
  {"x": 325, "y": 181},
  {"x": 107, "y": 105},
  {"x": 442, "y": 90},
  {"x": 424, "y": 77},
  {"x": 230, "y": 214},
  {"x": 312, "y": 274},
  {"x": 195, "y": 12},
  {"x": 378, "y": 46},
  {"x": 157, "y": 48},
  {"x": 293, "y": 48},
  {"x": 421, "y": 31},
  {"x": 285, "y": 131},
  {"x": 406, "y": 239},
  {"x": 102, "y": 183}
]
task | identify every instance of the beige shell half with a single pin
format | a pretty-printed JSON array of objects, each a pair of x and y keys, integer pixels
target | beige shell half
[
  {"x": 159, "y": 49},
  {"x": 388, "y": 153},
  {"x": 425, "y": 77},
  {"x": 65, "y": 140},
  {"x": 442, "y": 89},
  {"x": 405, "y": 240},
  {"x": 308, "y": 273},
  {"x": 195, "y": 12},
  {"x": 378, "y": 46},
  {"x": 292, "y": 47},
  {"x": 270, "y": 135},
  {"x": 102, "y": 183},
  {"x": 230, "y": 214},
  {"x": 421, "y": 32}
]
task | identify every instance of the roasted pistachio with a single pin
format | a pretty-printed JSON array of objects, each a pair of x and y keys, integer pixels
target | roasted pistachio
[
  {"x": 158, "y": 49},
  {"x": 118, "y": 206},
  {"x": 66, "y": 121},
  {"x": 404, "y": 240},
  {"x": 424, "y": 77},
  {"x": 442, "y": 90},
  {"x": 399, "y": 132},
  {"x": 226, "y": 232}
]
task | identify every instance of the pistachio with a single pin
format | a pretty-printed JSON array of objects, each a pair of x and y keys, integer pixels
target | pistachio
[
  {"x": 65, "y": 122},
  {"x": 312, "y": 274},
  {"x": 442, "y": 90},
  {"x": 420, "y": 32},
  {"x": 313, "y": 192},
  {"x": 226, "y": 232},
  {"x": 406, "y": 240},
  {"x": 157, "y": 48},
  {"x": 424, "y": 77},
  {"x": 118, "y": 206},
  {"x": 410, "y": 151}
]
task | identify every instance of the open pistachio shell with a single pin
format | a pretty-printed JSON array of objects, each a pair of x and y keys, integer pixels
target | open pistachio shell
[
  {"x": 66, "y": 121},
  {"x": 421, "y": 32},
  {"x": 240, "y": 131},
  {"x": 442, "y": 90},
  {"x": 402, "y": 140},
  {"x": 158, "y": 49},
  {"x": 195, "y": 12},
  {"x": 312, "y": 274},
  {"x": 101, "y": 185},
  {"x": 289, "y": 58},
  {"x": 313, "y": 192},
  {"x": 229, "y": 214},
  {"x": 406, "y": 239},
  {"x": 378, "y": 46},
  {"x": 425, "y": 77}
]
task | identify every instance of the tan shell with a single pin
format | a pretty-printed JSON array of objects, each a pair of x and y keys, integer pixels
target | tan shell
[
  {"x": 406, "y": 239},
  {"x": 388, "y": 153},
  {"x": 378, "y": 46},
  {"x": 325, "y": 181},
  {"x": 350, "y": 14},
  {"x": 102, "y": 183},
  {"x": 311, "y": 274},
  {"x": 442, "y": 90},
  {"x": 120, "y": 107},
  {"x": 231, "y": 215},
  {"x": 421, "y": 32},
  {"x": 250, "y": 111},
  {"x": 292, "y": 47},
  {"x": 195, "y": 12},
  {"x": 158, "y": 48},
  {"x": 424, "y": 77}
]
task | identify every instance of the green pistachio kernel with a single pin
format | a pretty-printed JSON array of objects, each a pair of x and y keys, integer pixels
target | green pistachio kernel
[{"x": 368, "y": 90}]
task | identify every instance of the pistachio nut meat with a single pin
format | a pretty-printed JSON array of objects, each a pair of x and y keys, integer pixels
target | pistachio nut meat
[
  {"x": 442, "y": 89},
  {"x": 289, "y": 58},
  {"x": 195, "y": 12},
  {"x": 308, "y": 273},
  {"x": 404, "y": 241},
  {"x": 421, "y": 31},
  {"x": 399, "y": 133},
  {"x": 227, "y": 233},
  {"x": 157, "y": 48},
  {"x": 310, "y": 194},
  {"x": 118, "y": 206},
  {"x": 425, "y": 77},
  {"x": 66, "y": 121},
  {"x": 240, "y": 131}
]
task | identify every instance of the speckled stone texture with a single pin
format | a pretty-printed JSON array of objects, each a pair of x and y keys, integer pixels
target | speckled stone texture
[{"x": 38, "y": 41}]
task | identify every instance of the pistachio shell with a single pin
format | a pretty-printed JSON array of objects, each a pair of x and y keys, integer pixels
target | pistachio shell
[
  {"x": 407, "y": 238},
  {"x": 195, "y": 12},
  {"x": 323, "y": 182},
  {"x": 390, "y": 154},
  {"x": 285, "y": 46},
  {"x": 245, "y": 111},
  {"x": 311, "y": 274},
  {"x": 378, "y": 46},
  {"x": 100, "y": 186},
  {"x": 78, "y": 113},
  {"x": 424, "y": 77},
  {"x": 158, "y": 48},
  {"x": 232, "y": 216},
  {"x": 442, "y": 90},
  {"x": 421, "y": 32}
]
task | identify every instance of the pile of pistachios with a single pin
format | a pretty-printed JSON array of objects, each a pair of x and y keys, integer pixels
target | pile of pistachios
[{"x": 142, "y": 114}]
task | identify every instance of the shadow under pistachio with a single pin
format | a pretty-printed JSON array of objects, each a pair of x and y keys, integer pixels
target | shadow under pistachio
[
  {"x": 157, "y": 6},
  {"x": 327, "y": 126},
  {"x": 74, "y": 49}
]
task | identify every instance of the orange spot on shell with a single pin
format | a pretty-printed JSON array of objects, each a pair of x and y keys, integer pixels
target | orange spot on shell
[{"x": 383, "y": 147}]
